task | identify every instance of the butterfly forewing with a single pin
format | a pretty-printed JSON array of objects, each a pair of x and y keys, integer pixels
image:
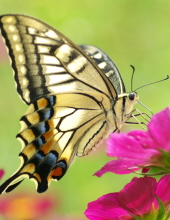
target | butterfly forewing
[
  {"x": 107, "y": 66},
  {"x": 45, "y": 61}
]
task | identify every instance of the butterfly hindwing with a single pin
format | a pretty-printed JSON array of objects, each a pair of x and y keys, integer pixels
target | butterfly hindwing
[{"x": 50, "y": 140}]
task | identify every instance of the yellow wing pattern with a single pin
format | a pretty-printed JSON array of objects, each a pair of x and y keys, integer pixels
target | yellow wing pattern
[
  {"x": 45, "y": 61},
  {"x": 70, "y": 97},
  {"x": 50, "y": 140}
]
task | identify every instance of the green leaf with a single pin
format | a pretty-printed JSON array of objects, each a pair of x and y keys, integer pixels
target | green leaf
[
  {"x": 167, "y": 216},
  {"x": 161, "y": 213},
  {"x": 136, "y": 218}
]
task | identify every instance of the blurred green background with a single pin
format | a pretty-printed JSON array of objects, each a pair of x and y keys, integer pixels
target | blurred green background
[{"x": 130, "y": 32}]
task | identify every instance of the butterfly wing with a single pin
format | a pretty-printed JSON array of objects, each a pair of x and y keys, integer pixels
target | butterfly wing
[
  {"x": 48, "y": 66},
  {"x": 107, "y": 66},
  {"x": 45, "y": 61},
  {"x": 52, "y": 134}
]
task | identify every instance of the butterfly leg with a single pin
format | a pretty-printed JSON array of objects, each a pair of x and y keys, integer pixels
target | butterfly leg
[{"x": 131, "y": 115}]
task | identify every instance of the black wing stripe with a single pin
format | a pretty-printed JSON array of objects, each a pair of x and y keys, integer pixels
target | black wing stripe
[
  {"x": 41, "y": 34},
  {"x": 54, "y": 130},
  {"x": 107, "y": 66},
  {"x": 95, "y": 134}
]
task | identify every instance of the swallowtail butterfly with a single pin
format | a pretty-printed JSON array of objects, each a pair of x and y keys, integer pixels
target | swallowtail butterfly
[{"x": 75, "y": 96}]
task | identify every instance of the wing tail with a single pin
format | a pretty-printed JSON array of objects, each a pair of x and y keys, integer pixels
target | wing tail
[
  {"x": 11, "y": 183},
  {"x": 43, "y": 156},
  {"x": 51, "y": 134}
]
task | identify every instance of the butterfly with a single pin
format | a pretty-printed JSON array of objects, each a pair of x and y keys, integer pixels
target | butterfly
[{"x": 75, "y": 95}]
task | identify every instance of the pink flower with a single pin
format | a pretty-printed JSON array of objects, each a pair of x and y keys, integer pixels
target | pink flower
[
  {"x": 1, "y": 173},
  {"x": 26, "y": 206},
  {"x": 141, "y": 149},
  {"x": 137, "y": 199}
]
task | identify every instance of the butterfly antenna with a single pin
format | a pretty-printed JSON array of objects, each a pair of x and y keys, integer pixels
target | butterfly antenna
[
  {"x": 145, "y": 107},
  {"x": 133, "y": 71},
  {"x": 152, "y": 83}
]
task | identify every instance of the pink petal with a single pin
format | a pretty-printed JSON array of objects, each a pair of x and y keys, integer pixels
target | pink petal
[
  {"x": 120, "y": 166},
  {"x": 143, "y": 138},
  {"x": 163, "y": 189},
  {"x": 1, "y": 173},
  {"x": 145, "y": 170},
  {"x": 104, "y": 208},
  {"x": 138, "y": 195},
  {"x": 159, "y": 129},
  {"x": 128, "y": 145}
]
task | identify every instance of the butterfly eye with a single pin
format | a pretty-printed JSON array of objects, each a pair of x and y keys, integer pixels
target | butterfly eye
[{"x": 131, "y": 96}]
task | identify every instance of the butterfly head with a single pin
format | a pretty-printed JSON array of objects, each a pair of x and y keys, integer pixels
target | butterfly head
[
  {"x": 127, "y": 101},
  {"x": 131, "y": 99}
]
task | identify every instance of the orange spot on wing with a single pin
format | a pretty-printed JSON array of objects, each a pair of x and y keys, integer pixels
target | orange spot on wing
[
  {"x": 52, "y": 123},
  {"x": 47, "y": 146},
  {"x": 42, "y": 103},
  {"x": 50, "y": 134},
  {"x": 57, "y": 172}
]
